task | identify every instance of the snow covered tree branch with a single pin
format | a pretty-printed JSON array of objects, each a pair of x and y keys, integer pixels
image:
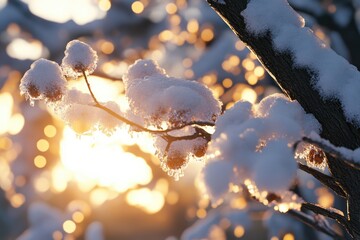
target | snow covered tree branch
[
  {"x": 242, "y": 144},
  {"x": 322, "y": 82}
]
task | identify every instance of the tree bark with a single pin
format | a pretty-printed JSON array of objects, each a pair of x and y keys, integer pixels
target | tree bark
[{"x": 295, "y": 82}]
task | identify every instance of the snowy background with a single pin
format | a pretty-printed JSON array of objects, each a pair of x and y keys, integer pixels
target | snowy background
[{"x": 57, "y": 185}]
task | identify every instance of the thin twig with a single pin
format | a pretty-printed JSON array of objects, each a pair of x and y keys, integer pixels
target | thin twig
[
  {"x": 330, "y": 213},
  {"x": 328, "y": 181},
  {"x": 329, "y": 149},
  {"x": 133, "y": 124},
  {"x": 312, "y": 222}
]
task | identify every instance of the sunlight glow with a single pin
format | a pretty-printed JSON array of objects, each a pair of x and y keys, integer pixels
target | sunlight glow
[
  {"x": 146, "y": 199},
  {"x": 102, "y": 160},
  {"x": 69, "y": 226},
  {"x": 9, "y": 122},
  {"x": 3, "y": 3},
  {"x": 22, "y": 49},
  {"x": 6, "y": 103},
  {"x": 80, "y": 11}
]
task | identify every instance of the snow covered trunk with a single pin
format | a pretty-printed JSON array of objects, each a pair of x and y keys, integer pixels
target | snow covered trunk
[{"x": 297, "y": 81}]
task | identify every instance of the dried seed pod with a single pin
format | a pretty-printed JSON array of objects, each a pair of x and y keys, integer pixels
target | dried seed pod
[
  {"x": 200, "y": 149},
  {"x": 316, "y": 156},
  {"x": 273, "y": 197},
  {"x": 176, "y": 160},
  {"x": 54, "y": 95},
  {"x": 33, "y": 91}
]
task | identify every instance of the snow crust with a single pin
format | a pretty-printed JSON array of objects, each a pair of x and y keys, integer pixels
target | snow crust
[
  {"x": 335, "y": 77},
  {"x": 159, "y": 98},
  {"x": 254, "y": 142},
  {"x": 79, "y": 57}
]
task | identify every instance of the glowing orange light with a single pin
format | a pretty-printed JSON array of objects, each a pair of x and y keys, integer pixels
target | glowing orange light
[
  {"x": 234, "y": 60},
  {"x": 166, "y": 35},
  {"x": 42, "y": 145},
  {"x": 288, "y": 236},
  {"x": 201, "y": 213},
  {"x": 227, "y": 83},
  {"x": 104, "y": 5},
  {"x": 107, "y": 47},
  {"x": 69, "y": 226},
  {"x": 137, "y": 7},
  {"x": 239, "y": 231},
  {"x": 259, "y": 71},
  {"x": 192, "y": 26},
  {"x": 207, "y": 35},
  {"x": 78, "y": 217},
  {"x": 146, "y": 199},
  {"x": 41, "y": 184},
  {"x": 50, "y": 131},
  {"x": 171, "y": 8},
  {"x": 17, "y": 200},
  {"x": 40, "y": 161}
]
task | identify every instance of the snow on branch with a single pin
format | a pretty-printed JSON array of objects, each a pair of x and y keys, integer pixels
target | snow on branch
[
  {"x": 252, "y": 145},
  {"x": 335, "y": 77},
  {"x": 176, "y": 112}
]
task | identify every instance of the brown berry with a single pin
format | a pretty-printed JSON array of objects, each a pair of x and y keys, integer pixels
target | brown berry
[
  {"x": 176, "y": 160},
  {"x": 33, "y": 91},
  {"x": 316, "y": 156},
  {"x": 273, "y": 197},
  {"x": 200, "y": 150},
  {"x": 54, "y": 95}
]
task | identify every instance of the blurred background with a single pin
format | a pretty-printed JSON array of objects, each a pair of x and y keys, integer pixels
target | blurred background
[{"x": 55, "y": 184}]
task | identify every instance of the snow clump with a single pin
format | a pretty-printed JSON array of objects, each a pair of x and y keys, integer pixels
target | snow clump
[
  {"x": 43, "y": 81},
  {"x": 160, "y": 99},
  {"x": 335, "y": 78},
  {"x": 253, "y": 144},
  {"x": 79, "y": 58}
]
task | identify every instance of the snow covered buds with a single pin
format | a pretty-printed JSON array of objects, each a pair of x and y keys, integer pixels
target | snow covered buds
[{"x": 45, "y": 80}]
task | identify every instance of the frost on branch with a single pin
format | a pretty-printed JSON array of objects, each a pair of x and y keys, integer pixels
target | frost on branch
[
  {"x": 162, "y": 100},
  {"x": 43, "y": 81},
  {"x": 252, "y": 146},
  {"x": 79, "y": 58}
]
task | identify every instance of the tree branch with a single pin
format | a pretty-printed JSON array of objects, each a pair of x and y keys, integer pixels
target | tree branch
[
  {"x": 298, "y": 83},
  {"x": 160, "y": 132},
  {"x": 330, "y": 213},
  {"x": 312, "y": 222},
  {"x": 328, "y": 181},
  {"x": 329, "y": 149}
]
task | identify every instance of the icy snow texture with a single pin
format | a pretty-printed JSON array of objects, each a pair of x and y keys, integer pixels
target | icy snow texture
[
  {"x": 335, "y": 77},
  {"x": 76, "y": 110},
  {"x": 159, "y": 98},
  {"x": 79, "y": 57},
  {"x": 44, "y": 80},
  {"x": 175, "y": 159},
  {"x": 255, "y": 142}
]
